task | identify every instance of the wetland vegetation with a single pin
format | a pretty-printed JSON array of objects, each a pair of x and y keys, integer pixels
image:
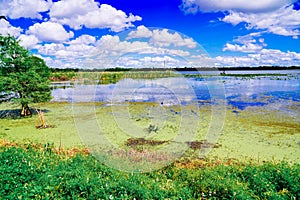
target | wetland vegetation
[{"x": 34, "y": 171}]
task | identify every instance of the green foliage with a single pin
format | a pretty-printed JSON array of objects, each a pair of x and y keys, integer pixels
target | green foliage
[
  {"x": 63, "y": 76},
  {"x": 24, "y": 77},
  {"x": 40, "y": 173}
]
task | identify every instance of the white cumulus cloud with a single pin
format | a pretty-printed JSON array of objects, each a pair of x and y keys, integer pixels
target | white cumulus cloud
[
  {"x": 274, "y": 16},
  {"x": 87, "y": 51},
  {"x": 71, "y": 51},
  {"x": 163, "y": 38},
  {"x": 68, "y": 55},
  {"x": 268, "y": 57},
  {"x": 84, "y": 39},
  {"x": 69, "y": 9},
  {"x": 108, "y": 51},
  {"x": 28, "y": 41},
  {"x": 15, "y": 9},
  {"x": 49, "y": 49},
  {"x": 154, "y": 61},
  {"x": 6, "y": 28},
  {"x": 193, "y": 6},
  {"x": 91, "y": 14},
  {"x": 158, "y": 59},
  {"x": 247, "y": 44},
  {"x": 141, "y": 32},
  {"x": 250, "y": 47},
  {"x": 113, "y": 45},
  {"x": 284, "y": 21},
  {"x": 50, "y": 32}
]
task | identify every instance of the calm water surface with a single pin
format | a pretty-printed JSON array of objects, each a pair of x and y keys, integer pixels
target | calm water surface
[{"x": 278, "y": 92}]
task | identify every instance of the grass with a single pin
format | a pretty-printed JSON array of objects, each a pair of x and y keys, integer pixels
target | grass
[{"x": 39, "y": 172}]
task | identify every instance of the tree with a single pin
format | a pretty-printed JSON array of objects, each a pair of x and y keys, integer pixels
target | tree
[{"x": 23, "y": 77}]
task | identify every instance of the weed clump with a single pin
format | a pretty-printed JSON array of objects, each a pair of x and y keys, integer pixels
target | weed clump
[
  {"x": 152, "y": 128},
  {"x": 142, "y": 141},
  {"x": 202, "y": 144}
]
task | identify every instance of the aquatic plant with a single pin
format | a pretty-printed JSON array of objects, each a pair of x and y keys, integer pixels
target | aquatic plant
[{"x": 152, "y": 128}]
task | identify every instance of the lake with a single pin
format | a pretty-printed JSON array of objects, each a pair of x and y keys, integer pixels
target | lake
[{"x": 280, "y": 91}]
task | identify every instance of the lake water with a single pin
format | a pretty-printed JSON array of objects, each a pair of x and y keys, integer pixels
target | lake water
[
  {"x": 216, "y": 72},
  {"x": 278, "y": 92}
]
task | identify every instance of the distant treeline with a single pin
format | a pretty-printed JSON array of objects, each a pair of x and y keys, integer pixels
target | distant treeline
[
  {"x": 89, "y": 70},
  {"x": 255, "y": 68},
  {"x": 176, "y": 69}
]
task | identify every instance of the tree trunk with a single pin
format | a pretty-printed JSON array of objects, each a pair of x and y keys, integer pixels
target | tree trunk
[
  {"x": 42, "y": 119},
  {"x": 25, "y": 111}
]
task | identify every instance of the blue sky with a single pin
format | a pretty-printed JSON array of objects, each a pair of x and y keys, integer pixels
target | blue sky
[{"x": 130, "y": 33}]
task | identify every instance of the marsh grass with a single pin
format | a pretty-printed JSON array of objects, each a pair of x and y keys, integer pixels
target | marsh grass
[{"x": 109, "y": 77}]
